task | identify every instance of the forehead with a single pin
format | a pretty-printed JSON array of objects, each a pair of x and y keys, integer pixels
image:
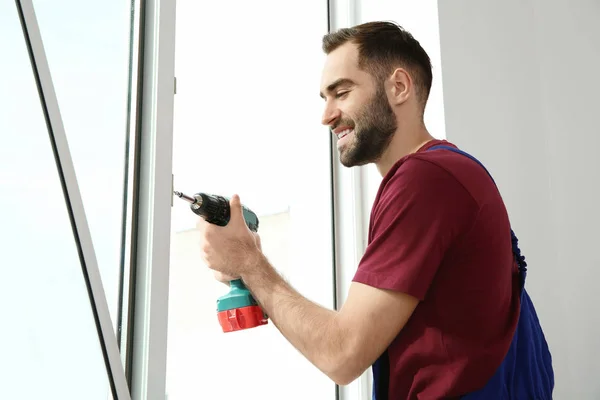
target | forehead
[{"x": 342, "y": 63}]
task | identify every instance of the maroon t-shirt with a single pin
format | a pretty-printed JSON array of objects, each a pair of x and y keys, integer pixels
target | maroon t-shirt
[{"x": 439, "y": 231}]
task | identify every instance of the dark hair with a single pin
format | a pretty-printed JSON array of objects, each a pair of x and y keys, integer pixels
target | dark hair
[{"x": 382, "y": 46}]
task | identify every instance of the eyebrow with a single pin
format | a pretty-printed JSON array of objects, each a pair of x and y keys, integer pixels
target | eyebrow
[{"x": 336, "y": 84}]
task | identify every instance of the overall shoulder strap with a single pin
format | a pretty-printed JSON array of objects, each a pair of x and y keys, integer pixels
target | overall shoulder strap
[
  {"x": 454, "y": 149},
  {"x": 515, "y": 242}
]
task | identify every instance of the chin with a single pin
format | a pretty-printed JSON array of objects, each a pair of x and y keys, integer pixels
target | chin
[
  {"x": 350, "y": 156},
  {"x": 350, "y": 162}
]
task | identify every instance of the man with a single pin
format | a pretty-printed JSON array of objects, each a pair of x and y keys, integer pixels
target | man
[{"x": 435, "y": 300}]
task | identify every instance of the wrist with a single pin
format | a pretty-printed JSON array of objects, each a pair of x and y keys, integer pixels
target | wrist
[{"x": 256, "y": 268}]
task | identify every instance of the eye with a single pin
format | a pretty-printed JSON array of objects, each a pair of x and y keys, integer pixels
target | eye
[{"x": 341, "y": 94}]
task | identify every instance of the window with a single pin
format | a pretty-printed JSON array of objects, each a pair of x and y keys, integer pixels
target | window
[
  {"x": 49, "y": 343},
  {"x": 53, "y": 339},
  {"x": 247, "y": 121},
  {"x": 87, "y": 46}
]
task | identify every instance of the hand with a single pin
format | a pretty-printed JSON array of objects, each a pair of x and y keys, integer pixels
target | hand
[
  {"x": 224, "y": 278},
  {"x": 231, "y": 250}
]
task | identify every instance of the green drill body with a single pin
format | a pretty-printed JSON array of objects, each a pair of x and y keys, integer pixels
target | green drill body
[{"x": 238, "y": 306}]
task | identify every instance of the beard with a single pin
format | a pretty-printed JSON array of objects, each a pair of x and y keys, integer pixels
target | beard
[{"x": 374, "y": 127}]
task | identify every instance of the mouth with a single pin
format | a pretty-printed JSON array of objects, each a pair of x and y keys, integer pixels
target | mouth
[
  {"x": 343, "y": 137},
  {"x": 343, "y": 133}
]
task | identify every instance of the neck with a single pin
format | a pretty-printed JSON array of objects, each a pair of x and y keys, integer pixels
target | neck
[{"x": 406, "y": 140}]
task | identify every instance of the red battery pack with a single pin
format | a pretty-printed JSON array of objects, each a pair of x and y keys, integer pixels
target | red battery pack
[{"x": 241, "y": 318}]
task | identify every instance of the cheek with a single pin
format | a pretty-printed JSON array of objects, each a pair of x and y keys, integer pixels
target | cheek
[
  {"x": 356, "y": 119},
  {"x": 357, "y": 110},
  {"x": 349, "y": 115}
]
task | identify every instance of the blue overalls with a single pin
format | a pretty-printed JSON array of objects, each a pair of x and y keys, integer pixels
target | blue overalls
[{"x": 526, "y": 372}]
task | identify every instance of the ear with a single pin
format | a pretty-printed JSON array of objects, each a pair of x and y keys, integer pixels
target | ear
[{"x": 401, "y": 86}]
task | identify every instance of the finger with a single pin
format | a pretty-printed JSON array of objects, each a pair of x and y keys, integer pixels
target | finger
[{"x": 235, "y": 204}]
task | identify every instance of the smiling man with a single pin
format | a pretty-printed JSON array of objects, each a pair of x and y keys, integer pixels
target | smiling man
[{"x": 434, "y": 303}]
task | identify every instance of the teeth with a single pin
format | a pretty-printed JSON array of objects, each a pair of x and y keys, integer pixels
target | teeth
[{"x": 344, "y": 133}]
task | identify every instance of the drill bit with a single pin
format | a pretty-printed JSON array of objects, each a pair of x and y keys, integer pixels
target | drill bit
[{"x": 185, "y": 197}]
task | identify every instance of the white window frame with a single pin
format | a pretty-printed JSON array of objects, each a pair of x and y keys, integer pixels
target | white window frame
[
  {"x": 149, "y": 259},
  {"x": 74, "y": 203},
  {"x": 153, "y": 202}
]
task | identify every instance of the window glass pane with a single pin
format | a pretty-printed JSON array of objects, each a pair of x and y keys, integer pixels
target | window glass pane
[
  {"x": 48, "y": 342},
  {"x": 87, "y": 45},
  {"x": 247, "y": 121}
]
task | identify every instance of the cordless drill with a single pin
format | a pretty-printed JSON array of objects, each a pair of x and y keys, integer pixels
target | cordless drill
[{"x": 237, "y": 309}]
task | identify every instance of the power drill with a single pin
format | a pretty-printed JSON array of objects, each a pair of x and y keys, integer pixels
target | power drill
[{"x": 237, "y": 309}]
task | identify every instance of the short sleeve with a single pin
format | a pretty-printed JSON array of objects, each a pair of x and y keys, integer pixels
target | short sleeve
[{"x": 420, "y": 211}]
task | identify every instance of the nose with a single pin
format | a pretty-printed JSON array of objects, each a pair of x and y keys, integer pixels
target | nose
[{"x": 330, "y": 115}]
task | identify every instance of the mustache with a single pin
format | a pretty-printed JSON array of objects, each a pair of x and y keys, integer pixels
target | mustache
[{"x": 343, "y": 122}]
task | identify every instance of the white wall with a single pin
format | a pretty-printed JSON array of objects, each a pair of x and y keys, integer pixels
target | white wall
[{"x": 521, "y": 92}]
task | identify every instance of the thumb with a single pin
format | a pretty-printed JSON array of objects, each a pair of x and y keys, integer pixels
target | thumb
[{"x": 235, "y": 205}]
